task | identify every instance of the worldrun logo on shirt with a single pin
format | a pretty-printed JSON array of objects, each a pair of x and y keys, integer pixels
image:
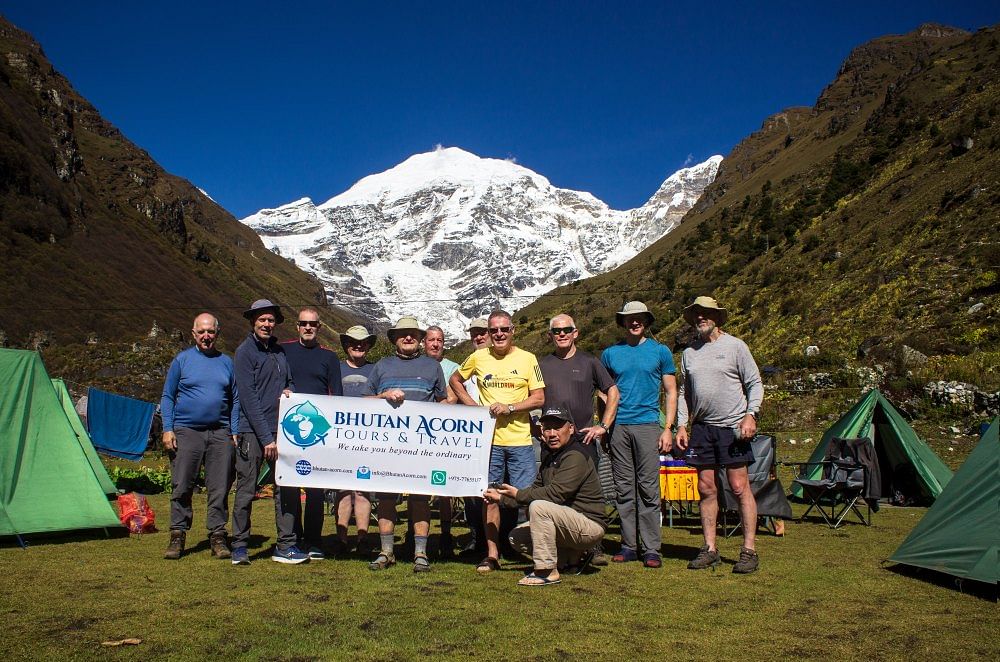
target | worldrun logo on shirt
[{"x": 304, "y": 426}]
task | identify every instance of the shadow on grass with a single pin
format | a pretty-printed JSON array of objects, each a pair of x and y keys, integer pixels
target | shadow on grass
[
  {"x": 63, "y": 537},
  {"x": 980, "y": 590}
]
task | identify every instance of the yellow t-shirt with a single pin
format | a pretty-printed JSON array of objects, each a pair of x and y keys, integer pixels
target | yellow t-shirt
[{"x": 505, "y": 379}]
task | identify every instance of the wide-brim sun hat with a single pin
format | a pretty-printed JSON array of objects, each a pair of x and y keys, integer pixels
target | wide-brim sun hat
[
  {"x": 259, "y": 306},
  {"x": 405, "y": 324},
  {"x": 708, "y": 303},
  {"x": 634, "y": 308},
  {"x": 478, "y": 323},
  {"x": 359, "y": 333}
]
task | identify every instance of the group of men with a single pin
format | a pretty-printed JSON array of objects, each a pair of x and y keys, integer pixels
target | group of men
[{"x": 225, "y": 414}]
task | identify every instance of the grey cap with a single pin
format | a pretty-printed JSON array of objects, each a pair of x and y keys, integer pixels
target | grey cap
[
  {"x": 259, "y": 306},
  {"x": 478, "y": 323},
  {"x": 558, "y": 412},
  {"x": 634, "y": 308}
]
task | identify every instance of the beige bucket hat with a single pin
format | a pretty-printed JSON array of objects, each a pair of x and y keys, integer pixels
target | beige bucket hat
[
  {"x": 707, "y": 303},
  {"x": 357, "y": 332},
  {"x": 405, "y": 324}
]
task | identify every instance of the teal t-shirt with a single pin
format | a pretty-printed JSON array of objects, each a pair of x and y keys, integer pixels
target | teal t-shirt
[{"x": 638, "y": 371}]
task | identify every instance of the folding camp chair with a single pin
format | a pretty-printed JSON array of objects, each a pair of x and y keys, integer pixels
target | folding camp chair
[
  {"x": 847, "y": 472},
  {"x": 764, "y": 483}
]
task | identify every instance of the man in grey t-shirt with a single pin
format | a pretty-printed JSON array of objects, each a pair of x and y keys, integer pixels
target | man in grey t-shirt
[{"x": 720, "y": 396}]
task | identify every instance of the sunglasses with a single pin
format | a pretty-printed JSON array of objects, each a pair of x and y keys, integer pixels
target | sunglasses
[
  {"x": 201, "y": 332},
  {"x": 479, "y": 332},
  {"x": 562, "y": 330},
  {"x": 309, "y": 323},
  {"x": 500, "y": 329}
]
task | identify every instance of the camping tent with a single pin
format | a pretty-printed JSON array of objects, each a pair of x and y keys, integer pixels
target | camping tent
[
  {"x": 907, "y": 464},
  {"x": 960, "y": 534},
  {"x": 46, "y": 480},
  {"x": 81, "y": 434}
]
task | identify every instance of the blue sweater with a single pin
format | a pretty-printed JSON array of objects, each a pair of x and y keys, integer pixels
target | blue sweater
[
  {"x": 315, "y": 369},
  {"x": 261, "y": 375},
  {"x": 200, "y": 392}
]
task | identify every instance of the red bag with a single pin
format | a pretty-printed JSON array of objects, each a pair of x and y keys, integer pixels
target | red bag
[{"x": 135, "y": 513}]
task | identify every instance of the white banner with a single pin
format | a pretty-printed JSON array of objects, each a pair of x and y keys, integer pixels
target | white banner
[{"x": 369, "y": 445}]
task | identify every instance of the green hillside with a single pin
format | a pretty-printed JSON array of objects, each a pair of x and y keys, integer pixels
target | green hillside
[
  {"x": 871, "y": 215},
  {"x": 98, "y": 238}
]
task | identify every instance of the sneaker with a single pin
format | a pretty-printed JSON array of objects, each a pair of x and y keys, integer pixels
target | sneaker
[
  {"x": 748, "y": 562},
  {"x": 705, "y": 559},
  {"x": 600, "y": 558},
  {"x": 652, "y": 560},
  {"x": 315, "y": 553},
  {"x": 625, "y": 555},
  {"x": 240, "y": 556},
  {"x": 292, "y": 555},
  {"x": 175, "y": 546}
]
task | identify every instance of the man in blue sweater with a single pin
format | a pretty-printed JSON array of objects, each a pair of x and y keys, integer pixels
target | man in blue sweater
[
  {"x": 315, "y": 369},
  {"x": 642, "y": 368},
  {"x": 201, "y": 415},
  {"x": 262, "y": 377}
]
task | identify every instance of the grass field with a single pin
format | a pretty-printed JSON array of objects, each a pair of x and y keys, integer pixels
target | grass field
[{"x": 820, "y": 594}]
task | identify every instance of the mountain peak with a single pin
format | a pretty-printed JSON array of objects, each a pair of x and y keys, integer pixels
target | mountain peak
[{"x": 443, "y": 167}]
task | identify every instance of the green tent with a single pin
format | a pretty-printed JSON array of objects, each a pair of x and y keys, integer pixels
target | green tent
[
  {"x": 85, "y": 442},
  {"x": 898, "y": 447},
  {"x": 960, "y": 534},
  {"x": 46, "y": 482}
]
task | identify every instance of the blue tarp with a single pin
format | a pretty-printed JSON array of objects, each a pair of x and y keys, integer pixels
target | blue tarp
[{"x": 118, "y": 425}]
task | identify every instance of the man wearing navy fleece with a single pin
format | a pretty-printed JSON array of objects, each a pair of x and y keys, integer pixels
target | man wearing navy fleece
[
  {"x": 201, "y": 414},
  {"x": 315, "y": 369},
  {"x": 262, "y": 377}
]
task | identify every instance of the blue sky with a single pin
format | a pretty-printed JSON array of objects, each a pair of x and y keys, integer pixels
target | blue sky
[{"x": 260, "y": 103}]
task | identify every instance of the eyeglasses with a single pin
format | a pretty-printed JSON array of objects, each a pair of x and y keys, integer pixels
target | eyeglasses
[
  {"x": 309, "y": 323},
  {"x": 201, "y": 332},
  {"x": 500, "y": 329},
  {"x": 562, "y": 330}
]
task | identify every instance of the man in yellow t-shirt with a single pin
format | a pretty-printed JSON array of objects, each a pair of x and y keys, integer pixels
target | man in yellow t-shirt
[{"x": 510, "y": 384}]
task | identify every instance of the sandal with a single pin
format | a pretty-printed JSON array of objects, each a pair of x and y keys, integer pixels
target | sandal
[
  {"x": 582, "y": 564},
  {"x": 382, "y": 561},
  {"x": 421, "y": 563},
  {"x": 488, "y": 565},
  {"x": 531, "y": 579}
]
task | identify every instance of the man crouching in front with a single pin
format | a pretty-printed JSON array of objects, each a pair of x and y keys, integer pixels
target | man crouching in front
[{"x": 565, "y": 506}]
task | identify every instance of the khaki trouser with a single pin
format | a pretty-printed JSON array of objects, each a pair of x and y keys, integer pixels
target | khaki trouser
[{"x": 552, "y": 529}]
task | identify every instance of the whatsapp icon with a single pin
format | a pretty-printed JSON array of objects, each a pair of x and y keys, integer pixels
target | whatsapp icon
[{"x": 439, "y": 477}]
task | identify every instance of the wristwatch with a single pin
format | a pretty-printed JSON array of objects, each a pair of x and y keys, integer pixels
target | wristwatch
[
  {"x": 606, "y": 428},
  {"x": 754, "y": 414},
  {"x": 510, "y": 409}
]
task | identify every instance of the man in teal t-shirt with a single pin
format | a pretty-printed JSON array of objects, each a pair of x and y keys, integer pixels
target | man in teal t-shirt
[{"x": 641, "y": 367}]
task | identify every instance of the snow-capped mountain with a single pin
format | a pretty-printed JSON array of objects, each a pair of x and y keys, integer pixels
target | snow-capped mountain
[{"x": 445, "y": 236}]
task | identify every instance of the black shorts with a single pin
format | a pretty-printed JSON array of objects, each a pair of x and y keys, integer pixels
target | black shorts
[{"x": 710, "y": 446}]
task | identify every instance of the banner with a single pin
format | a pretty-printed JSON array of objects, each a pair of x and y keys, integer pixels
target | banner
[{"x": 367, "y": 444}]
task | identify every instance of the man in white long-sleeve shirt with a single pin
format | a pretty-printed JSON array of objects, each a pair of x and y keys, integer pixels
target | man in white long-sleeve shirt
[{"x": 720, "y": 397}]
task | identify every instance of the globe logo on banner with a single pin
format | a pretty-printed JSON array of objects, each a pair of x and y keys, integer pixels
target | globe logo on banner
[
  {"x": 304, "y": 426},
  {"x": 303, "y": 468},
  {"x": 364, "y": 473}
]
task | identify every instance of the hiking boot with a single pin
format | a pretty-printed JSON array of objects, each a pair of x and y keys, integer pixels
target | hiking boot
[
  {"x": 600, "y": 558},
  {"x": 175, "y": 546},
  {"x": 220, "y": 548},
  {"x": 705, "y": 559},
  {"x": 748, "y": 562}
]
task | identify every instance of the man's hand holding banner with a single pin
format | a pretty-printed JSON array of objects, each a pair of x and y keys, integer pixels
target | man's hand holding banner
[{"x": 370, "y": 445}]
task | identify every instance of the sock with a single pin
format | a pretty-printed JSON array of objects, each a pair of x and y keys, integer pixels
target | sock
[
  {"x": 387, "y": 542},
  {"x": 420, "y": 545}
]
